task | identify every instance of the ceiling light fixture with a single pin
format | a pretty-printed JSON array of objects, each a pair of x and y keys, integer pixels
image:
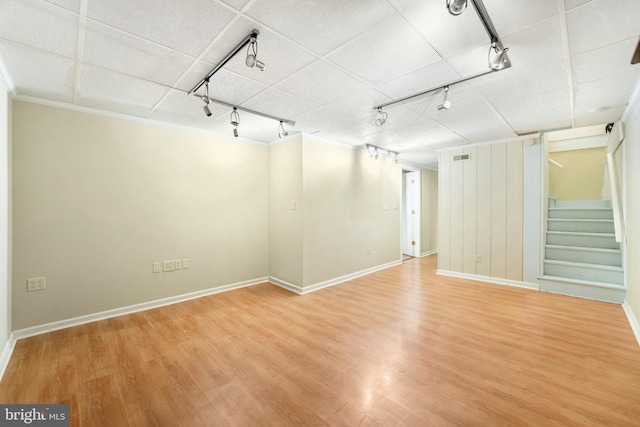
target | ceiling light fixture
[
  {"x": 500, "y": 60},
  {"x": 375, "y": 152},
  {"x": 381, "y": 117},
  {"x": 252, "y": 50},
  {"x": 446, "y": 104},
  {"x": 252, "y": 54},
  {"x": 235, "y": 121},
  {"x": 205, "y": 98},
  {"x": 456, "y": 7},
  {"x": 281, "y": 131}
]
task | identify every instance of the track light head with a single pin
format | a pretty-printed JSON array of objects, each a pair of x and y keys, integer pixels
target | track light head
[
  {"x": 235, "y": 121},
  {"x": 381, "y": 117},
  {"x": 456, "y": 7},
  {"x": 500, "y": 60},
  {"x": 281, "y": 130},
  {"x": 207, "y": 111},
  {"x": 446, "y": 104},
  {"x": 251, "y": 60}
]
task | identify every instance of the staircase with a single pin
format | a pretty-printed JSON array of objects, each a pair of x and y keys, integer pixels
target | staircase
[{"x": 582, "y": 257}]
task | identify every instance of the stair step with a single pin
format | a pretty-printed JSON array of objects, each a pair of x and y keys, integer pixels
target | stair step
[
  {"x": 581, "y": 225},
  {"x": 584, "y": 213},
  {"x": 583, "y": 282},
  {"x": 580, "y": 203},
  {"x": 586, "y": 255},
  {"x": 584, "y": 271},
  {"x": 585, "y": 240}
]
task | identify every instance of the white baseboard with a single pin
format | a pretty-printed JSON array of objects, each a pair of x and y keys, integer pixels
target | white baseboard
[
  {"x": 487, "y": 279},
  {"x": 286, "y": 285},
  {"x": 6, "y": 354},
  {"x": 89, "y": 318},
  {"x": 431, "y": 252},
  {"x": 633, "y": 320},
  {"x": 332, "y": 282}
]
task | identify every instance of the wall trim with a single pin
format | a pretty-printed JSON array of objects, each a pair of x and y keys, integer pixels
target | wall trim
[
  {"x": 6, "y": 80},
  {"x": 6, "y": 354},
  {"x": 428, "y": 253},
  {"x": 633, "y": 320},
  {"x": 487, "y": 279},
  {"x": 332, "y": 282},
  {"x": 108, "y": 314},
  {"x": 497, "y": 141}
]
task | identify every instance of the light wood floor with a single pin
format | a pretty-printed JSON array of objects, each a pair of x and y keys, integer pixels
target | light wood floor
[{"x": 401, "y": 347}]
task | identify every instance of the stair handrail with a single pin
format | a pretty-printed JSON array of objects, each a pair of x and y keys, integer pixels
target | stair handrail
[{"x": 615, "y": 205}]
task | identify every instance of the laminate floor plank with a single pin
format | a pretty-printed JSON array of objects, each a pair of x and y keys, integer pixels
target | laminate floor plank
[{"x": 399, "y": 347}]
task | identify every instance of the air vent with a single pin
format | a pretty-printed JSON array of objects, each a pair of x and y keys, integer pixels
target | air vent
[{"x": 460, "y": 157}]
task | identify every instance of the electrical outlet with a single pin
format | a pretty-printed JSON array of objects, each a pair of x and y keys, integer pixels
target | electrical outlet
[
  {"x": 177, "y": 264},
  {"x": 185, "y": 263},
  {"x": 36, "y": 284},
  {"x": 157, "y": 268},
  {"x": 168, "y": 265}
]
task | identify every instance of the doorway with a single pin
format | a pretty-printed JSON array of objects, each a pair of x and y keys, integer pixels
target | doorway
[{"x": 410, "y": 213}]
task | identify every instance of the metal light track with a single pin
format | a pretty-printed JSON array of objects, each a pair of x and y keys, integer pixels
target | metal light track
[{"x": 493, "y": 36}]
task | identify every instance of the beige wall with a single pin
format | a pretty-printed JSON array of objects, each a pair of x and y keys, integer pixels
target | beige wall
[
  {"x": 480, "y": 211},
  {"x": 352, "y": 208},
  {"x": 286, "y": 210},
  {"x": 97, "y": 200},
  {"x": 582, "y": 174},
  {"x": 5, "y": 222},
  {"x": 632, "y": 214},
  {"x": 429, "y": 210}
]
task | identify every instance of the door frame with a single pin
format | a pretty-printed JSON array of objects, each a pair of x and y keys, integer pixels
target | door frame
[{"x": 418, "y": 215}]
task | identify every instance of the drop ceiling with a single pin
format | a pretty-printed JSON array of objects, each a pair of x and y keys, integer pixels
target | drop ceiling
[{"x": 328, "y": 63}]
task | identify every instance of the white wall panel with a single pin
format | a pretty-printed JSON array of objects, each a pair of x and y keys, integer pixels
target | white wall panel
[
  {"x": 444, "y": 207},
  {"x": 632, "y": 214},
  {"x": 498, "y": 210},
  {"x": 457, "y": 212},
  {"x": 483, "y": 197},
  {"x": 470, "y": 211},
  {"x": 514, "y": 212}
]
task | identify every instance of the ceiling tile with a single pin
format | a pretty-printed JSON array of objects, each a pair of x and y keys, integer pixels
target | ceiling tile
[
  {"x": 111, "y": 91},
  {"x": 376, "y": 57},
  {"x": 188, "y": 28},
  {"x": 353, "y": 132},
  {"x": 471, "y": 62},
  {"x": 600, "y": 23},
  {"x": 550, "y": 119},
  {"x": 431, "y": 76},
  {"x": 607, "y": 61},
  {"x": 40, "y": 25},
  {"x": 232, "y": 88},
  {"x": 385, "y": 139},
  {"x": 359, "y": 104},
  {"x": 177, "y": 107},
  {"x": 72, "y": 5},
  {"x": 446, "y": 33},
  {"x": 281, "y": 57},
  {"x": 118, "y": 51},
  {"x": 238, "y": 4},
  {"x": 428, "y": 132},
  {"x": 593, "y": 114},
  {"x": 611, "y": 91},
  {"x": 475, "y": 126},
  {"x": 535, "y": 103},
  {"x": 327, "y": 24},
  {"x": 280, "y": 104},
  {"x": 509, "y": 17},
  {"x": 536, "y": 45},
  {"x": 320, "y": 83},
  {"x": 570, "y": 4},
  {"x": 319, "y": 119},
  {"x": 56, "y": 83}
]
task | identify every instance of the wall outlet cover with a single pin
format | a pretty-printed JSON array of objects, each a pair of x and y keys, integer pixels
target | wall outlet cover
[{"x": 36, "y": 284}]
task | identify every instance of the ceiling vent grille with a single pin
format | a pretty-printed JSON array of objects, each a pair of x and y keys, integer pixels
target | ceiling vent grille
[{"x": 461, "y": 157}]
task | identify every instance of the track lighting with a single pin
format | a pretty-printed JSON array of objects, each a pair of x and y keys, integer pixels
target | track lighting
[
  {"x": 446, "y": 104},
  {"x": 500, "y": 60},
  {"x": 205, "y": 98},
  {"x": 381, "y": 117},
  {"x": 375, "y": 152},
  {"x": 252, "y": 55},
  {"x": 235, "y": 121},
  {"x": 456, "y": 7},
  {"x": 281, "y": 131}
]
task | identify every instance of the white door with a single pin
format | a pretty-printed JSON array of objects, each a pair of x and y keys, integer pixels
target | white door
[{"x": 410, "y": 212}]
